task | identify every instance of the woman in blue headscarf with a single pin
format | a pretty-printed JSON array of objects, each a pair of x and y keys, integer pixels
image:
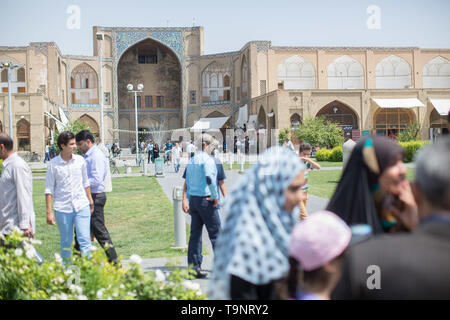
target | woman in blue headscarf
[{"x": 251, "y": 252}]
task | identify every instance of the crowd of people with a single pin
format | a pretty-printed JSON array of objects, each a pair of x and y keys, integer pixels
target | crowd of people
[{"x": 380, "y": 236}]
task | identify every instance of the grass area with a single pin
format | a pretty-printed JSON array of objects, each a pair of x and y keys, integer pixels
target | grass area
[
  {"x": 327, "y": 164},
  {"x": 323, "y": 183},
  {"x": 138, "y": 215}
]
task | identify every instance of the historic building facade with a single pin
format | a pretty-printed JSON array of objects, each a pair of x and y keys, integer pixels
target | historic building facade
[{"x": 366, "y": 90}]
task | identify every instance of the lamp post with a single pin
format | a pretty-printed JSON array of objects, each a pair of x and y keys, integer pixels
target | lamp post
[
  {"x": 139, "y": 90},
  {"x": 102, "y": 131},
  {"x": 9, "y": 66}
]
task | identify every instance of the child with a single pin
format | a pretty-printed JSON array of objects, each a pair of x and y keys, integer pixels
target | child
[
  {"x": 316, "y": 250},
  {"x": 304, "y": 152}
]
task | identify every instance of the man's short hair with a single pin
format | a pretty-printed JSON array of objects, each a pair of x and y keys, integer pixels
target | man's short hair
[
  {"x": 433, "y": 173},
  {"x": 6, "y": 140},
  {"x": 84, "y": 135},
  {"x": 305, "y": 146},
  {"x": 203, "y": 138},
  {"x": 64, "y": 138}
]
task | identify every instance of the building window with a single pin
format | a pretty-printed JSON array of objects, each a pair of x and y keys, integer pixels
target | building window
[
  {"x": 21, "y": 89},
  {"x": 153, "y": 59},
  {"x": 262, "y": 86},
  {"x": 138, "y": 102},
  {"x": 148, "y": 101},
  {"x": 5, "y": 75},
  {"x": 159, "y": 101},
  {"x": 23, "y": 135},
  {"x": 389, "y": 122},
  {"x": 5, "y": 89},
  {"x": 21, "y": 75},
  {"x": 192, "y": 97},
  {"x": 107, "y": 98}
]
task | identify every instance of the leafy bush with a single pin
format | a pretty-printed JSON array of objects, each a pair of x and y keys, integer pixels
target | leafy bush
[
  {"x": 92, "y": 278},
  {"x": 318, "y": 131},
  {"x": 411, "y": 149},
  {"x": 74, "y": 127},
  {"x": 336, "y": 154},
  {"x": 410, "y": 133},
  {"x": 323, "y": 155},
  {"x": 332, "y": 155}
]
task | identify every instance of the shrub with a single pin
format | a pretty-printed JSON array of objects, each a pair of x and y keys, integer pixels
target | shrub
[
  {"x": 323, "y": 155},
  {"x": 336, "y": 154},
  {"x": 411, "y": 148},
  {"x": 410, "y": 133},
  {"x": 319, "y": 131},
  {"x": 91, "y": 278}
]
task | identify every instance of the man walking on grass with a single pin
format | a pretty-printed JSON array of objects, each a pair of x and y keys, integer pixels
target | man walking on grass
[{"x": 97, "y": 166}]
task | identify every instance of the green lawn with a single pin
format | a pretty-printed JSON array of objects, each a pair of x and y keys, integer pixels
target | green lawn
[
  {"x": 325, "y": 164},
  {"x": 138, "y": 215},
  {"x": 322, "y": 183}
]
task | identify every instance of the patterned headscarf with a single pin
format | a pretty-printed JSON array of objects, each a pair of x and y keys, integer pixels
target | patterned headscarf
[{"x": 253, "y": 244}]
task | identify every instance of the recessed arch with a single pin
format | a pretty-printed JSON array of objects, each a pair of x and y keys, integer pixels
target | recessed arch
[
  {"x": 436, "y": 73},
  {"x": 342, "y": 114},
  {"x": 393, "y": 72},
  {"x": 297, "y": 72},
  {"x": 23, "y": 135},
  {"x": 345, "y": 73},
  {"x": 91, "y": 123},
  {"x": 84, "y": 85}
]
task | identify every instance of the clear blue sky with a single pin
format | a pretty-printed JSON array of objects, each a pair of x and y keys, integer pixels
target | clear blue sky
[{"x": 229, "y": 24}]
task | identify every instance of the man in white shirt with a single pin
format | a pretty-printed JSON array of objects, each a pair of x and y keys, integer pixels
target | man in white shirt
[
  {"x": 16, "y": 191},
  {"x": 190, "y": 149},
  {"x": 67, "y": 184},
  {"x": 176, "y": 156}
]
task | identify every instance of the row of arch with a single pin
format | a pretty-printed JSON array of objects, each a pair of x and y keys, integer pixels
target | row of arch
[
  {"x": 346, "y": 72},
  {"x": 17, "y": 75}
]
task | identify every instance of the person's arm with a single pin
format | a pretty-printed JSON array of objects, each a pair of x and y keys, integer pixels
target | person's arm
[
  {"x": 49, "y": 192},
  {"x": 86, "y": 185},
  {"x": 314, "y": 164},
  {"x": 48, "y": 204},
  {"x": 222, "y": 187},
  {"x": 24, "y": 191},
  {"x": 97, "y": 173},
  {"x": 211, "y": 179},
  {"x": 185, "y": 203}
]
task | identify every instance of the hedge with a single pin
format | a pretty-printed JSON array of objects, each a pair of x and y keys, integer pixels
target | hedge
[
  {"x": 332, "y": 155},
  {"x": 411, "y": 148}
]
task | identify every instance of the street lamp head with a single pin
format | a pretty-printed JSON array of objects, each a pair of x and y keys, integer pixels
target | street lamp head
[
  {"x": 140, "y": 86},
  {"x": 130, "y": 87}
]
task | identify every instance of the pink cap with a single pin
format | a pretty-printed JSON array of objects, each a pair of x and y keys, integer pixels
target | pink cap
[{"x": 319, "y": 239}]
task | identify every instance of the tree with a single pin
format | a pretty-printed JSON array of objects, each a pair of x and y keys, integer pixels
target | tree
[
  {"x": 283, "y": 134},
  {"x": 318, "y": 131},
  {"x": 74, "y": 127}
]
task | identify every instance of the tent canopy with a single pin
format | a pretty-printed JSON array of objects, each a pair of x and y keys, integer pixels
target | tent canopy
[
  {"x": 242, "y": 118},
  {"x": 442, "y": 106},
  {"x": 210, "y": 123},
  {"x": 398, "y": 103}
]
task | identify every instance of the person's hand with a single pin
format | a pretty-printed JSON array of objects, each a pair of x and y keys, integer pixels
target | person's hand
[
  {"x": 50, "y": 219},
  {"x": 305, "y": 159},
  {"x": 28, "y": 232},
  {"x": 92, "y": 237},
  {"x": 91, "y": 205},
  {"x": 409, "y": 216},
  {"x": 185, "y": 206},
  {"x": 215, "y": 201}
]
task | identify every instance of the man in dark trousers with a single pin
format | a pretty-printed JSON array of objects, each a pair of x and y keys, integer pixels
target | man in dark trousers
[
  {"x": 202, "y": 192},
  {"x": 96, "y": 164},
  {"x": 412, "y": 265}
]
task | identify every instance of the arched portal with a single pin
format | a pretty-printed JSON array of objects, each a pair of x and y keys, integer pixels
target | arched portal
[
  {"x": 389, "y": 122},
  {"x": 158, "y": 68},
  {"x": 91, "y": 123},
  {"x": 341, "y": 114}
]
